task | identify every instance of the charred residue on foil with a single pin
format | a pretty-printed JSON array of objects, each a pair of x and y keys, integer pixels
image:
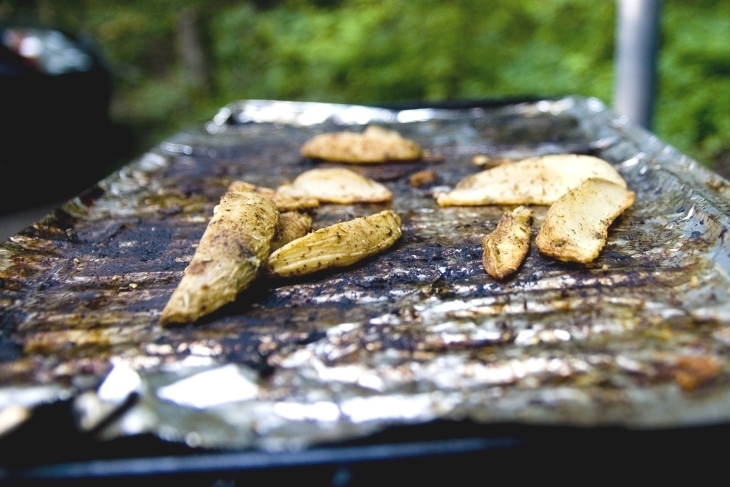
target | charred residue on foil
[{"x": 638, "y": 337}]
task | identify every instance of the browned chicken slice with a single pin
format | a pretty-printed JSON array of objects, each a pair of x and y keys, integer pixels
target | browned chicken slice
[
  {"x": 486, "y": 161},
  {"x": 236, "y": 242},
  {"x": 575, "y": 228},
  {"x": 292, "y": 225},
  {"x": 375, "y": 144},
  {"x": 283, "y": 202},
  {"x": 533, "y": 181},
  {"x": 505, "y": 248},
  {"x": 423, "y": 178},
  {"x": 338, "y": 245},
  {"x": 336, "y": 185}
]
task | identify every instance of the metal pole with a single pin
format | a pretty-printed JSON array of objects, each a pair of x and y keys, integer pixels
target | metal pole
[{"x": 637, "y": 35}]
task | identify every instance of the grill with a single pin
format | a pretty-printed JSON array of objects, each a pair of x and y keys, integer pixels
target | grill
[{"x": 414, "y": 359}]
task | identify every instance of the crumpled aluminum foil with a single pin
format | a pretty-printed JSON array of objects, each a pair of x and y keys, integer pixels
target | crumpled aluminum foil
[{"x": 638, "y": 338}]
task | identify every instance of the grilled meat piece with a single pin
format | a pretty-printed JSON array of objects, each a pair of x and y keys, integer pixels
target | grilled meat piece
[
  {"x": 336, "y": 185},
  {"x": 283, "y": 202},
  {"x": 505, "y": 248},
  {"x": 338, "y": 245},
  {"x": 235, "y": 243},
  {"x": 575, "y": 228},
  {"x": 375, "y": 144},
  {"x": 292, "y": 225},
  {"x": 532, "y": 181}
]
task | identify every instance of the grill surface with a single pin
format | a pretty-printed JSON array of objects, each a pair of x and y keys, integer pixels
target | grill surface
[{"x": 637, "y": 338}]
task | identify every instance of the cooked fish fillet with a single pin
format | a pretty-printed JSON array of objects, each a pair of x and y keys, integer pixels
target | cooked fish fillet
[
  {"x": 338, "y": 245},
  {"x": 236, "y": 242},
  {"x": 336, "y": 185},
  {"x": 505, "y": 248},
  {"x": 375, "y": 144},
  {"x": 575, "y": 228},
  {"x": 292, "y": 225},
  {"x": 533, "y": 181},
  {"x": 283, "y": 202}
]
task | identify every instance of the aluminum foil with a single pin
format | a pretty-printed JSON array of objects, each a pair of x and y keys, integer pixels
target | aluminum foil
[{"x": 639, "y": 338}]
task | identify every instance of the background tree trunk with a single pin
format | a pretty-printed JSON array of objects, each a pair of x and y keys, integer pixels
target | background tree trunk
[
  {"x": 190, "y": 49},
  {"x": 46, "y": 12}
]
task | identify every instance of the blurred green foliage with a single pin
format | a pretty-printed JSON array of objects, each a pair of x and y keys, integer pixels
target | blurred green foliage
[{"x": 371, "y": 51}]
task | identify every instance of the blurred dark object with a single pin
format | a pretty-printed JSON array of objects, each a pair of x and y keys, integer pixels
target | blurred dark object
[{"x": 55, "y": 92}]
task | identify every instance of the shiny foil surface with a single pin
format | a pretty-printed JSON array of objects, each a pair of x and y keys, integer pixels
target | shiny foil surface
[{"x": 637, "y": 338}]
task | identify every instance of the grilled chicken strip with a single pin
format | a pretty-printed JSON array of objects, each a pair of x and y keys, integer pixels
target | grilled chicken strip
[
  {"x": 533, "y": 181},
  {"x": 283, "y": 202},
  {"x": 338, "y": 245},
  {"x": 235, "y": 244},
  {"x": 505, "y": 248},
  {"x": 375, "y": 144},
  {"x": 292, "y": 225},
  {"x": 336, "y": 185},
  {"x": 575, "y": 228}
]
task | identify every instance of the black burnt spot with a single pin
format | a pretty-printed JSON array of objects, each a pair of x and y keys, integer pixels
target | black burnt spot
[
  {"x": 246, "y": 349},
  {"x": 609, "y": 256},
  {"x": 10, "y": 319},
  {"x": 420, "y": 255},
  {"x": 91, "y": 300},
  {"x": 104, "y": 231},
  {"x": 432, "y": 253},
  {"x": 9, "y": 350},
  {"x": 146, "y": 246}
]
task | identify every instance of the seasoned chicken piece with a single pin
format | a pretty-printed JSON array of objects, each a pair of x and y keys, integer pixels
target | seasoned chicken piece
[
  {"x": 505, "y": 248},
  {"x": 283, "y": 202},
  {"x": 292, "y": 225},
  {"x": 423, "y": 178},
  {"x": 336, "y": 185},
  {"x": 235, "y": 244},
  {"x": 338, "y": 245},
  {"x": 576, "y": 226},
  {"x": 533, "y": 181},
  {"x": 486, "y": 161},
  {"x": 375, "y": 144}
]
